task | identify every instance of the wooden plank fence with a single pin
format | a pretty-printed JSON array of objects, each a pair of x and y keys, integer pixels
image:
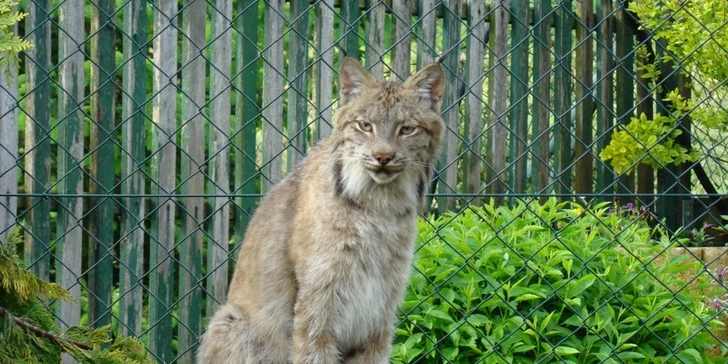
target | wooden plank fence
[{"x": 134, "y": 168}]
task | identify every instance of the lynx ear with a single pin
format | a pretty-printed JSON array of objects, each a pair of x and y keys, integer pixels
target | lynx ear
[
  {"x": 428, "y": 83},
  {"x": 353, "y": 79}
]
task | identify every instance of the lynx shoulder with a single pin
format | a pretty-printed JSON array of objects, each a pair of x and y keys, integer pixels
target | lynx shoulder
[{"x": 327, "y": 255}]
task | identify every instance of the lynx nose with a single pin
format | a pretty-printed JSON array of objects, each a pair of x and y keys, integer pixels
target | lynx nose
[{"x": 383, "y": 157}]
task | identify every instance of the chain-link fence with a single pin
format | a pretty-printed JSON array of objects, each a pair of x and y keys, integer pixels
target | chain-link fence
[{"x": 137, "y": 137}]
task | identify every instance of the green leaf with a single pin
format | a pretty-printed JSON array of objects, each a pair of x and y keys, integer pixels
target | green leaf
[{"x": 566, "y": 350}]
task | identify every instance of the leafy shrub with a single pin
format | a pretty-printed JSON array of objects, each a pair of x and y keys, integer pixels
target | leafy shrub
[
  {"x": 28, "y": 330},
  {"x": 549, "y": 283}
]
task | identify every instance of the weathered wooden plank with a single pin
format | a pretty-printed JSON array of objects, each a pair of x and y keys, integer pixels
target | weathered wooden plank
[
  {"x": 375, "y": 38},
  {"x": 133, "y": 137},
  {"x": 325, "y": 67},
  {"x": 497, "y": 98},
  {"x": 218, "y": 149},
  {"x": 583, "y": 182},
  {"x": 645, "y": 105},
  {"x": 247, "y": 112},
  {"x": 473, "y": 162},
  {"x": 426, "y": 32},
  {"x": 541, "y": 100},
  {"x": 164, "y": 109},
  {"x": 9, "y": 151},
  {"x": 518, "y": 96},
  {"x": 625, "y": 91},
  {"x": 192, "y": 177},
  {"x": 401, "y": 39},
  {"x": 272, "y": 89},
  {"x": 37, "y": 145},
  {"x": 450, "y": 105},
  {"x": 298, "y": 90},
  {"x": 349, "y": 25},
  {"x": 102, "y": 114},
  {"x": 70, "y": 154},
  {"x": 605, "y": 89},
  {"x": 562, "y": 98}
]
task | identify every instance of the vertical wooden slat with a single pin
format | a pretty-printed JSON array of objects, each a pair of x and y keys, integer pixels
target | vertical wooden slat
[
  {"x": 220, "y": 94},
  {"x": 541, "y": 102},
  {"x": 37, "y": 145},
  {"x": 297, "y": 93},
  {"x": 102, "y": 114},
  {"x": 497, "y": 98},
  {"x": 562, "y": 98},
  {"x": 375, "y": 38},
  {"x": 645, "y": 173},
  {"x": 9, "y": 151},
  {"x": 585, "y": 74},
  {"x": 625, "y": 90},
  {"x": 247, "y": 112},
  {"x": 192, "y": 177},
  {"x": 272, "y": 89},
  {"x": 605, "y": 89},
  {"x": 450, "y": 104},
  {"x": 132, "y": 169},
  {"x": 349, "y": 25},
  {"x": 401, "y": 39},
  {"x": 71, "y": 153},
  {"x": 426, "y": 32},
  {"x": 519, "y": 96},
  {"x": 164, "y": 115},
  {"x": 325, "y": 18},
  {"x": 669, "y": 206},
  {"x": 473, "y": 163}
]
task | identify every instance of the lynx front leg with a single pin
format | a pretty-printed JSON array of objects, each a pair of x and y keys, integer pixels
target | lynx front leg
[
  {"x": 376, "y": 351},
  {"x": 313, "y": 321}
]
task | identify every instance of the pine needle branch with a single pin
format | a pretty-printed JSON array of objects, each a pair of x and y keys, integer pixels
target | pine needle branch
[{"x": 43, "y": 333}]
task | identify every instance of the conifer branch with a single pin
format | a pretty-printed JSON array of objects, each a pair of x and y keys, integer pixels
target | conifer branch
[{"x": 43, "y": 333}]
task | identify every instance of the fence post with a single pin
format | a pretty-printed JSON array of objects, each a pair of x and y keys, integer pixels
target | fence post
[
  {"x": 562, "y": 98},
  {"x": 9, "y": 146},
  {"x": 518, "y": 96},
  {"x": 247, "y": 112},
  {"x": 401, "y": 39},
  {"x": 584, "y": 110},
  {"x": 375, "y": 38},
  {"x": 192, "y": 179},
  {"x": 450, "y": 104},
  {"x": 349, "y": 27},
  {"x": 668, "y": 206},
  {"x": 473, "y": 161},
  {"x": 102, "y": 113},
  {"x": 497, "y": 100},
  {"x": 605, "y": 88},
  {"x": 298, "y": 90},
  {"x": 426, "y": 32},
  {"x": 71, "y": 152},
  {"x": 625, "y": 90},
  {"x": 325, "y": 16},
  {"x": 37, "y": 144},
  {"x": 164, "y": 115},
  {"x": 541, "y": 102},
  {"x": 219, "y": 150},
  {"x": 645, "y": 173},
  {"x": 272, "y": 90},
  {"x": 131, "y": 267}
]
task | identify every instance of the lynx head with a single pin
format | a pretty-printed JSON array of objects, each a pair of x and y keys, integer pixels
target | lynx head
[{"x": 387, "y": 129}]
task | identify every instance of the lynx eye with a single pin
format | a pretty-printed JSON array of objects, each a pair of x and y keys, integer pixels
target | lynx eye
[
  {"x": 364, "y": 126},
  {"x": 407, "y": 130}
]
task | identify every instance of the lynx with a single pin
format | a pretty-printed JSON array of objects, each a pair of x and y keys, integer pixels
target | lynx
[{"x": 326, "y": 257}]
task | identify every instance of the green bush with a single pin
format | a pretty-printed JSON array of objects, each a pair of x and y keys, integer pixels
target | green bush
[{"x": 549, "y": 283}]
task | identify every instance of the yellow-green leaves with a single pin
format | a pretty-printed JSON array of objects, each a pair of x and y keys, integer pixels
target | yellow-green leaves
[{"x": 10, "y": 44}]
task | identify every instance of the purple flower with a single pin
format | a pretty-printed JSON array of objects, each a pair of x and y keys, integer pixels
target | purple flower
[
  {"x": 720, "y": 272},
  {"x": 707, "y": 227},
  {"x": 629, "y": 206},
  {"x": 716, "y": 304}
]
